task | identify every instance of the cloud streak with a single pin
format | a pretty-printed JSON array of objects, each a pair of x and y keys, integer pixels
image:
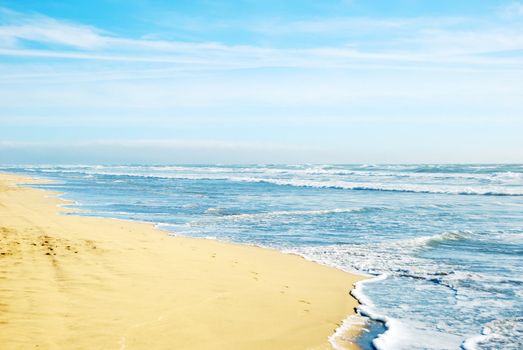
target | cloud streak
[
  {"x": 423, "y": 45},
  {"x": 47, "y": 30}
]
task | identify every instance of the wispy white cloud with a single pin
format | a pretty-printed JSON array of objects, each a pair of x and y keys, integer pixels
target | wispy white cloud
[
  {"x": 424, "y": 43},
  {"x": 231, "y": 57},
  {"x": 346, "y": 25},
  {"x": 471, "y": 44},
  {"x": 50, "y": 31}
]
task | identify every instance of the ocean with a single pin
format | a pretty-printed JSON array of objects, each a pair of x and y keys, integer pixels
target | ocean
[{"x": 443, "y": 244}]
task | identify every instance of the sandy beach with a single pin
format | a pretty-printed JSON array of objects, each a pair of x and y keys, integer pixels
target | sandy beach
[{"x": 71, "y": 282}]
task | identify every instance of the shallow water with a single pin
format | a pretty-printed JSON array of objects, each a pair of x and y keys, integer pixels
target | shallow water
[{"x": 446, "y": 241}]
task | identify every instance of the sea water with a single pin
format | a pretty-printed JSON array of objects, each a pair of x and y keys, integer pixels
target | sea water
[{"x": 443, "y": 243}]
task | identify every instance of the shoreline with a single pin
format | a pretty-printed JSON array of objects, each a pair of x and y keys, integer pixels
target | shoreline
[{"x": 71, "y": 280}]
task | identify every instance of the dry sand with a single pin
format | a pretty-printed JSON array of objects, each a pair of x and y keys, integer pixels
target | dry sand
[{"x": 70, "y": 282}]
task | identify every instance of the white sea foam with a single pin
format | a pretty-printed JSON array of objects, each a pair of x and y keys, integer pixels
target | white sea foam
[
  {"x": 386, "y": 340},
  {"x": 402, "y": 336},
  {"x": 398, "y": 335},
  {"x": 473, "y": 342},
  {"x": 506, "y": 334},
  {"x": 340, "y": 339},
  {"x": 397, "y": 256}
]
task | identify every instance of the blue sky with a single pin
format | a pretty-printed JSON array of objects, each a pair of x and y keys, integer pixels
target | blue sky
[{"x": 344, "y": 81}]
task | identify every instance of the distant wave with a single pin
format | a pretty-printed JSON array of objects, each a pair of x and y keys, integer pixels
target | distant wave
[
  {"x": 436, "y": 179},
  {"x": 440, "y": 237},
  {"x": 334, "y": 184},
  {"x": 273, "y": 214},
  {"x": 390, "y": 187}
]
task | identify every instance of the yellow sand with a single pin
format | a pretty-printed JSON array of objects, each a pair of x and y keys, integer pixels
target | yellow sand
[{"x": 70, "y": 282}]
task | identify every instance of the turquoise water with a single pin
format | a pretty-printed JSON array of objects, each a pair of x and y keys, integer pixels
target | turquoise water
[{"x": 444, "y": 242}]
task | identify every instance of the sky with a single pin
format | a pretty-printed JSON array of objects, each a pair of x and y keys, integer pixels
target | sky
[{"x": 249, "y": 81}]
